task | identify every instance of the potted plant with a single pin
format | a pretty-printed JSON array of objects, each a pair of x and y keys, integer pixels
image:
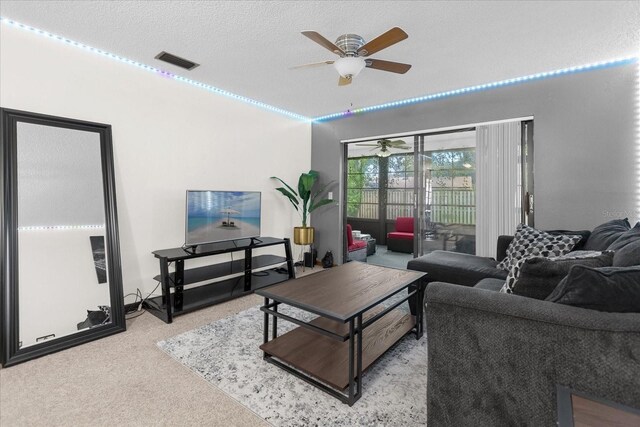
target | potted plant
[{"x": 305, "y": 200}]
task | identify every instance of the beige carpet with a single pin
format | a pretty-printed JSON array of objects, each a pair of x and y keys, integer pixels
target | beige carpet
[{"x": 123, "y": 380}]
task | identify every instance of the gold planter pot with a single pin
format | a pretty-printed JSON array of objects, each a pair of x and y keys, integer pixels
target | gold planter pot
[{"x": 303, "y": 235}]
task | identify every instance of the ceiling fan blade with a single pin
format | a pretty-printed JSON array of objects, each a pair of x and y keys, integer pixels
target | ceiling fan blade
[
  {"x": 394, "y": 67},
  {"x": 316, "y": 37},
  {"x": 368, "y": 145},
  {"x": 403, "y": 148},
  {"x": 396, "y": 142},
  {"x": 312, "y": 64},
  {"x": 343, "y": 81},
  {"x": 383, "y": 41}
]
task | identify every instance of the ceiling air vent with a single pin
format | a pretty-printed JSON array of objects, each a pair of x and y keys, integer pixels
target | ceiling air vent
[{"x": 176, "y": 60}]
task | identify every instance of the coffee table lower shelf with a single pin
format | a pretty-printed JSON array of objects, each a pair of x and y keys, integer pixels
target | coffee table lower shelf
[{"x": 327, "y": 359}]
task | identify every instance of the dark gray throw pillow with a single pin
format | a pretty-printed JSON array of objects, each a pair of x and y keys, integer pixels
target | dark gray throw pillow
[
  {"x": 605, "y": 234},
  {"x": 628, "y": 255},
  {"x": 539, "y": 276},
  {"x": 612, "y": 289},
  {"x": 626, "y": 238}
]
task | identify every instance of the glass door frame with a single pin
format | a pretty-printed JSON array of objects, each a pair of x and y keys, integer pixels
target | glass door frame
[
  {"x": 419, "y": 227},
  {"x": 419, "y": 193},
  {"x": 420, "y": 224}
]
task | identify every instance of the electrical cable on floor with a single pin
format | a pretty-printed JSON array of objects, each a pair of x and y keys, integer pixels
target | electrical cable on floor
[
  {"x": 142, "y": 302},
  {"x": 137, "y": 315},
  {"x": 132, "y": 293},
  {"x": 133, "y": 307}
]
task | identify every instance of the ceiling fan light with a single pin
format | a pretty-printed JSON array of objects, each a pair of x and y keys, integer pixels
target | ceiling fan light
[
  {"x": 383, "y": 153},
  {"x": 349, "y": 66}
]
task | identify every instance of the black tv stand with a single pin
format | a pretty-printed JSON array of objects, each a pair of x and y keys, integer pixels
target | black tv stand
[
  {"x": 189, "y": 248},
  {"x": 231, "y": 279}
]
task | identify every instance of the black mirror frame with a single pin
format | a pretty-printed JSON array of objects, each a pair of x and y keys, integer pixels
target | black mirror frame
[{"x": 10, "y": 352}]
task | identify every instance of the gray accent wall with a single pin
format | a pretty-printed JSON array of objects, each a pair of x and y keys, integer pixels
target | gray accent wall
[{"x": 586, "y": 166}]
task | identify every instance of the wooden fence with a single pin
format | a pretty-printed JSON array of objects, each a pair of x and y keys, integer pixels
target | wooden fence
[
  {"x": 448, "y": 206},
  {"x": 453, "y": 206}
]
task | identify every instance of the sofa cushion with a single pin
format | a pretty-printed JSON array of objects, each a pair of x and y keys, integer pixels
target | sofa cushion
[
  {"x": 605, "y": 234},
  {"x": 357, "y": 244},
  {"x": 490, "y": 284},
  {"x": 529, "y": 242},
  {"x": 458, "y": 268},
  {"x": 612, "y": 289},
  {"x": 404, "y": 224},
  {"x": 628, "y": 255},
  {"x": 400, "y": 235},
  {"x": 539, "y": 276},
  {"x": 349, "y": 235},
  {"x": 628, "y": 237}
]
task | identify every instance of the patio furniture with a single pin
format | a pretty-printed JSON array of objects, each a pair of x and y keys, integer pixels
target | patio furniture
[
  {"x": 401, "y": 240},
  {"x": 356, "y": 249}
]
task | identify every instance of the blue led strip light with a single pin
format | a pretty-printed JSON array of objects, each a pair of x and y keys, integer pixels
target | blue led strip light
[
  {"x": 478, "y": 88},
  {"x": 156, "y": 70},
  {"x": 343, "y": 114}
]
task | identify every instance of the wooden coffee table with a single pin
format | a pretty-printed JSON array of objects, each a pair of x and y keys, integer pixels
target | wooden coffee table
[{"x": 353, "y": 328}]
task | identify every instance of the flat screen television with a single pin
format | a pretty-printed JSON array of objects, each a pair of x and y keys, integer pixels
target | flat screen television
[{"x": 214, "y": 216}]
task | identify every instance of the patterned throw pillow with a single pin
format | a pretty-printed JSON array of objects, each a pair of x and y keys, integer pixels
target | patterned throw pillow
[
  {"x": 513, "y": 275},
  {"x": 529, "y": 242}
]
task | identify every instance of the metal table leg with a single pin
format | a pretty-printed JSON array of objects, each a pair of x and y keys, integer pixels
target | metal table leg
[
  {"x": 265, "y": 329},
  {"x": 274, "y": 333}
]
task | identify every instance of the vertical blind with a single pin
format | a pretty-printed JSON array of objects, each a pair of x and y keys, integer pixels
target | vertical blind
[{"x": 499, "y": 183}]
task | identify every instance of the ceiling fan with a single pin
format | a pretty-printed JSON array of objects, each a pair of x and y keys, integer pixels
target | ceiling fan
[
  {"x": 385, "y": 144},
  {"x": 353, "y": 50}
]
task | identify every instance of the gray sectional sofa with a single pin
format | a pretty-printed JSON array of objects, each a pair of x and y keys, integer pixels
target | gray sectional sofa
[{"x": 496, "y": 359}]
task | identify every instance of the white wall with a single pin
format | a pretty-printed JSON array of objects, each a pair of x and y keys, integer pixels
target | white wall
[{"x": 167, "y": 136}]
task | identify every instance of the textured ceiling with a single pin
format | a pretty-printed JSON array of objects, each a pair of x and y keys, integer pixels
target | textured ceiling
[{"x": 247, "y": 47}]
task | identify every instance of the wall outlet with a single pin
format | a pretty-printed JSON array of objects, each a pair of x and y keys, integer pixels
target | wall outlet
[{"x": 330, "y": 195}]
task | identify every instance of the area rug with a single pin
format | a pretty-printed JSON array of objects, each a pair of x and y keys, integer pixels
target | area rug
[{"x": 226, "y": 354}]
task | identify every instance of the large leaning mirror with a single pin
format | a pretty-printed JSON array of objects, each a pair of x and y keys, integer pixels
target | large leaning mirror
[{"x": 61, "y": 276}]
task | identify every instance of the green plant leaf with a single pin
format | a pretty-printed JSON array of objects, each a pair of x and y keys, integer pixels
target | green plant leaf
[
  {"x": 294, "y": 200},
  {"x": 286, "y": 185},
  {"x": 322, "y": 202},
  {"x": 305, "y": 183},
  {"x": 303, "y": 201}
]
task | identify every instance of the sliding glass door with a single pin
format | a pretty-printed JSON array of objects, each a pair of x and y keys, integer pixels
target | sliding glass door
[
  {"x": 380, "y": 191},
  {"x": 447, "y": 192},
  {"x": 453, "y": 190}
]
